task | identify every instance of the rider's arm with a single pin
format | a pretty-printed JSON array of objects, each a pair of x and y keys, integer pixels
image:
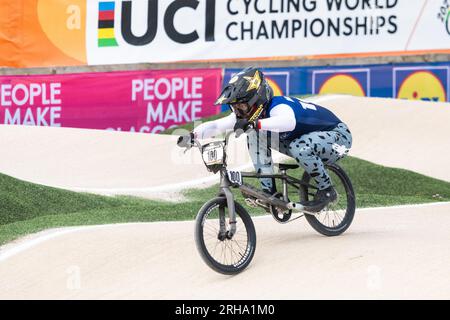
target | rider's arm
[
  {"x": 216, "y": 127},
  {"x": 282, "y": 119}
]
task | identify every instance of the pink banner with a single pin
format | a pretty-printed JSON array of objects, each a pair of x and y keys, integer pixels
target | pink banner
[{"x": 141, "y": 101}]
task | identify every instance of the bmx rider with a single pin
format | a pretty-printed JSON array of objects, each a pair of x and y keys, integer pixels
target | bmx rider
[{"x": 307, "y": 132}]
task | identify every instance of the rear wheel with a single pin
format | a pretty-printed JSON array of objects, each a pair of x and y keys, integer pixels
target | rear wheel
[
  {"x": 337, "y": 217},
  {"x": 222, "y": 252}
]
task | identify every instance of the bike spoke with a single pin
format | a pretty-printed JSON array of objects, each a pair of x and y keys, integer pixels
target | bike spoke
[
  {"x": 211, "y": 227},
  {"x": 240, "y": 248},
  {"x": 227, "y": 252},
  {"x": 334, "y": 219},
  {"x": 212, "y": 234},
  {"x": 224, "y": 253},
  {"x": 338, "y": 218},
  {"x": 240, "y": 239},
  {"x": 324, "y": 217},
  {"x": 211, "y": 237},
  {"x": 230, "y": 251},
  {"x": 215, "y": 247},
  {"x": 233, "y": 260},
  {"x": 243, "y": 236}
]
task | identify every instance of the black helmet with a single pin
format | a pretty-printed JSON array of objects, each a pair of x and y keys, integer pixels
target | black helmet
[{"x": 250, "y": 87}]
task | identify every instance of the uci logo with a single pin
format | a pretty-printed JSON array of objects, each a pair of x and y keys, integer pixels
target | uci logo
[
  {"x": 107, "y": 22},
  {"x": 422, "y": 85}
]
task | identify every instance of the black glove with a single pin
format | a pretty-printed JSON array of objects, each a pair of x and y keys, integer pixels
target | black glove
[
  {"x": 186, "y": 140},
  {"x": 242, "y": 125}
]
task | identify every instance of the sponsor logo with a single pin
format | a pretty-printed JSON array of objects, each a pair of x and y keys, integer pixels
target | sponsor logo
[
  {"x": 351, "y": 83},
  {"x": 425, "y": 85},
  {"x": 444, "y": 15},
  {"x": 152, "y": 17},
  {"x": 254, "y": 82}
]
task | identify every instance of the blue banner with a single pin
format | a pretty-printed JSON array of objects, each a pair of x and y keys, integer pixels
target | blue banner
[
  {"x": 419, "y": 81},
  {"x": 427, "y": 82}
]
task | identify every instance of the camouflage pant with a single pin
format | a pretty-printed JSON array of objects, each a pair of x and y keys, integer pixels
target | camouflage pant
[{"x": 311, "y": 151}]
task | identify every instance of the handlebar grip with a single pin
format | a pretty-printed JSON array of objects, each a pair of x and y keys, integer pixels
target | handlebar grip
[{"x": 184, "y": 141}]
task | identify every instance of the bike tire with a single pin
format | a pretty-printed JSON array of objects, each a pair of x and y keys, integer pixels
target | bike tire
[
  {"x": 350, "y": 208},
  {"x": 200, "y": 241}
]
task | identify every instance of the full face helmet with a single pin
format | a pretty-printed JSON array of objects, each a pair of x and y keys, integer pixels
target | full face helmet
[{"x": 247, "y": 94}]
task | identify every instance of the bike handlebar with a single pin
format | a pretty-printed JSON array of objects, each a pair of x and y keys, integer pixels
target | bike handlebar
[{"x": 196, "y": 142}]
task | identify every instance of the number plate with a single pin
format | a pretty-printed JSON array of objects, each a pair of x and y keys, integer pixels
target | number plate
[
  {"x": 213, "y": 155},
  {"x": 235, "y": 177}
]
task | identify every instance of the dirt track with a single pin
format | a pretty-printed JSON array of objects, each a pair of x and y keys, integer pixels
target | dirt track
[{"x": 387, "y": 253}]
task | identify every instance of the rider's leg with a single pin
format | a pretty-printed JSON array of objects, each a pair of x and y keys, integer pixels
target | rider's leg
[
  {"x": 314, "y": 149},
  {"x": 259, "y": 143},
  {"x": 280, "y": 146}
]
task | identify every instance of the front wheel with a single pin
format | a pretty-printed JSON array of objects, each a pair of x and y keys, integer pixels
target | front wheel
[
  {"x": 336, "y": 218},
  {"x": 224, "y": 253}
]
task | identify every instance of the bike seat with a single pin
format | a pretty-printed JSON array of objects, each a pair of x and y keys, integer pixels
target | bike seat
[{"x": 287, "y": 166}]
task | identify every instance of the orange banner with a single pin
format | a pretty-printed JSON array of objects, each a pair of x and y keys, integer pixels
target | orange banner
[{"x": 42, "y": 33}]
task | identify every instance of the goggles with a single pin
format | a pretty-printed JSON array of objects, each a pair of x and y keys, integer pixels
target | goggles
[{"x": 242, "y": 110}]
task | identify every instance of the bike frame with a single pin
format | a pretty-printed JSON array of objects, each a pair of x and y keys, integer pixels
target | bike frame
[{"x": 226, "y": 185}]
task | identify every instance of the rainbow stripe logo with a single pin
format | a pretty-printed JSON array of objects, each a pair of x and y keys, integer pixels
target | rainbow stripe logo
[{"x": 106, "y": 37}]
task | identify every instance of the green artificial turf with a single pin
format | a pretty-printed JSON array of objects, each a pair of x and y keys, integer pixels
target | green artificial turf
[{"x": 27, "y": 208}]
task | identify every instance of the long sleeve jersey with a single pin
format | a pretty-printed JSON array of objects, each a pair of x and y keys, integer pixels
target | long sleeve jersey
[{"x": 291, "y": 117}]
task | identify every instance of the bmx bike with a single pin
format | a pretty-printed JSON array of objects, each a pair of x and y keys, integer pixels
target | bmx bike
[{"x": 224, "y": 231}]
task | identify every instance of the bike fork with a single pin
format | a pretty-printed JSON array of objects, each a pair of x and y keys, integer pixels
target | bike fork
[{"x": 225, "y": 191}]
